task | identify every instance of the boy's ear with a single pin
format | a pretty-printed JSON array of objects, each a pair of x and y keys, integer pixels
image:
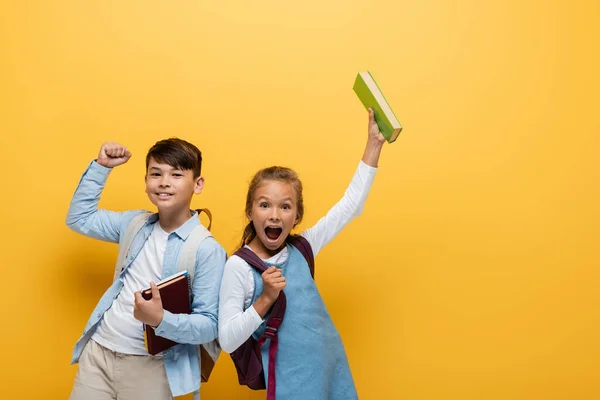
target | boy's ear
[{"x": 199, "y": 185}]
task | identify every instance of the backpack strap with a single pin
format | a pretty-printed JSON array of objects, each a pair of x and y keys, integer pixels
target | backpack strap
[
  {"x": 273, "y": 322},
  {"x": 136, "y": 224},
  {"x": 278, "y": 309},
  {"x": 189, "y": 250},
  {"x": 251, "y": 258},
  {"x": 208, "y": 213},
  {"x": 207, "y": 352},
  {"x": 297, "y": 241}
]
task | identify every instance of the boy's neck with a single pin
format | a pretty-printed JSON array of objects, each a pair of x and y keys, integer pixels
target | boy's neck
[{"x": 170, "y": 221}]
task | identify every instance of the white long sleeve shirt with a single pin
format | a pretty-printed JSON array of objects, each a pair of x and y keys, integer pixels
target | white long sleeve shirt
[{"x": 237, "y": 319}]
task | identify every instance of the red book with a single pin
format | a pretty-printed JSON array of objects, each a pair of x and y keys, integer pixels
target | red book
[{"x": 174, "y": 293}]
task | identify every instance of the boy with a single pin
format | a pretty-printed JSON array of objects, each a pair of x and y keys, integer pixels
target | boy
[{"x": 115, "y": 362}]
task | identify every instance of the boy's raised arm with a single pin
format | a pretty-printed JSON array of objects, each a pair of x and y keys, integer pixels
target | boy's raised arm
[{"x": 83, "y": 215}]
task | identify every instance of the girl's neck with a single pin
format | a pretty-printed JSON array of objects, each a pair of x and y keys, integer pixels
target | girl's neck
[{"x": 261, "y": 251}]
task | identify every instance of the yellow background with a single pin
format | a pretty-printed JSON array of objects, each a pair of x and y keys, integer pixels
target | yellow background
[{"x": 473, "y": 272}]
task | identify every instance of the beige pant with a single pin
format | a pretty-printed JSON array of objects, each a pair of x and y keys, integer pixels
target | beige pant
[{"x": 104, "y": 374}]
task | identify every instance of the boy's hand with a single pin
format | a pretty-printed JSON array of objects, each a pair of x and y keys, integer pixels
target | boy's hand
[
  {"x": 273, "y": 283},
  {"x": 112, "y": 154},
  {"x": 150, "y": 311},
  {"x": 374, "y": 132}
]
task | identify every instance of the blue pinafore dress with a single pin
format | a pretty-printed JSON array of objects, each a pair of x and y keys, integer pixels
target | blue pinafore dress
[{"x": 311, "y": 362}]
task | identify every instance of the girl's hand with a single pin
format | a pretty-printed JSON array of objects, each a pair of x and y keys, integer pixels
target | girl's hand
[
  {"x": 375, "y": 142},
  {"x": 273, "y": 282},
  {"x": 374, "y": 132}
]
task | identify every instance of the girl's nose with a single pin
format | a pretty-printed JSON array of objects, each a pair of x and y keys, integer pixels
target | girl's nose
[{"x": 274, "y": 214}]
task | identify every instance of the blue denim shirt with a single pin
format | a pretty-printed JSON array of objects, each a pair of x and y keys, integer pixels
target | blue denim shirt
[{"x": 181, "y": 361}]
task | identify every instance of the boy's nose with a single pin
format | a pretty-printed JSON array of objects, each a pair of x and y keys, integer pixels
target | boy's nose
[{"x": 164, "y": 182}]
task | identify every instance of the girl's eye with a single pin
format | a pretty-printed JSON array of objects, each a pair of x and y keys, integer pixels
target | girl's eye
[
  {"x": 286, "y": 206},
  {"x": 263, "y": 205}
]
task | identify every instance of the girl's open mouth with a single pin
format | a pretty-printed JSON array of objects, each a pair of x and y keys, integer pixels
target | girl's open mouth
[{"x": 273, "y": 233}]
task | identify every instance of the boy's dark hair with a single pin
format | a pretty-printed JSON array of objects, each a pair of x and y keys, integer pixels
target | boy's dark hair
[{"x": 178, "y": 154}]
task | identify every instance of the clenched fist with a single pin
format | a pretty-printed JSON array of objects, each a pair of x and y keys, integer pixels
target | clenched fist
[
  {"x": 112, "y": 154},
  {"x": 273, "y": 283},
  {"x": 374, "y": 132}
]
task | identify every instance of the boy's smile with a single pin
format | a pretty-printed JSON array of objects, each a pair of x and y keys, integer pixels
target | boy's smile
[
  {"x": 273, "y": 214},
  {"x": 164, "y": 195}
]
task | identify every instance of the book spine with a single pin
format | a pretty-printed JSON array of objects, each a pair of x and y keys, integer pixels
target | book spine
[{"x": 384, "y": 98}]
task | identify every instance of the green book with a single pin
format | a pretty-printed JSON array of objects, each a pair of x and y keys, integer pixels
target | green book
[{"x": 370, "y": 95}]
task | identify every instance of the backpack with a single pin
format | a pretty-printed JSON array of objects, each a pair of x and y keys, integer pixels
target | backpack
[
  {"x": 208, "y": 352},
  {"x": 247, "y": 358}
]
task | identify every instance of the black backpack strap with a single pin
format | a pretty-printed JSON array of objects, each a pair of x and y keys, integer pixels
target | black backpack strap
[{"x": 303, "y": 246}]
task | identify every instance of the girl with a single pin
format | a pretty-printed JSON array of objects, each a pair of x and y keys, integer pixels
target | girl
[{"x": 311, "y": 362}]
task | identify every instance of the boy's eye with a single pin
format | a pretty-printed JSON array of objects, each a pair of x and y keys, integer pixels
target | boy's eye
[
  {"x": 177, "y": 174},
  {"x": 155, "y": 174}
]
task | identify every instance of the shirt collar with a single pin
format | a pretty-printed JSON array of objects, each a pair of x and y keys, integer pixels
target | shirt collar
[{"x": 184, "y": 230}]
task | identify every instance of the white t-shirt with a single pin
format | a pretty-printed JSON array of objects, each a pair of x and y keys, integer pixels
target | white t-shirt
[
  {"x": 237, "y": 320},
  {"x": 118, "y": 330}
]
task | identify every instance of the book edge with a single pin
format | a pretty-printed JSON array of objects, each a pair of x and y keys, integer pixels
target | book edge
[
  {"x": 162, "y": 282},
  {"x": 380, "y": 98}
]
